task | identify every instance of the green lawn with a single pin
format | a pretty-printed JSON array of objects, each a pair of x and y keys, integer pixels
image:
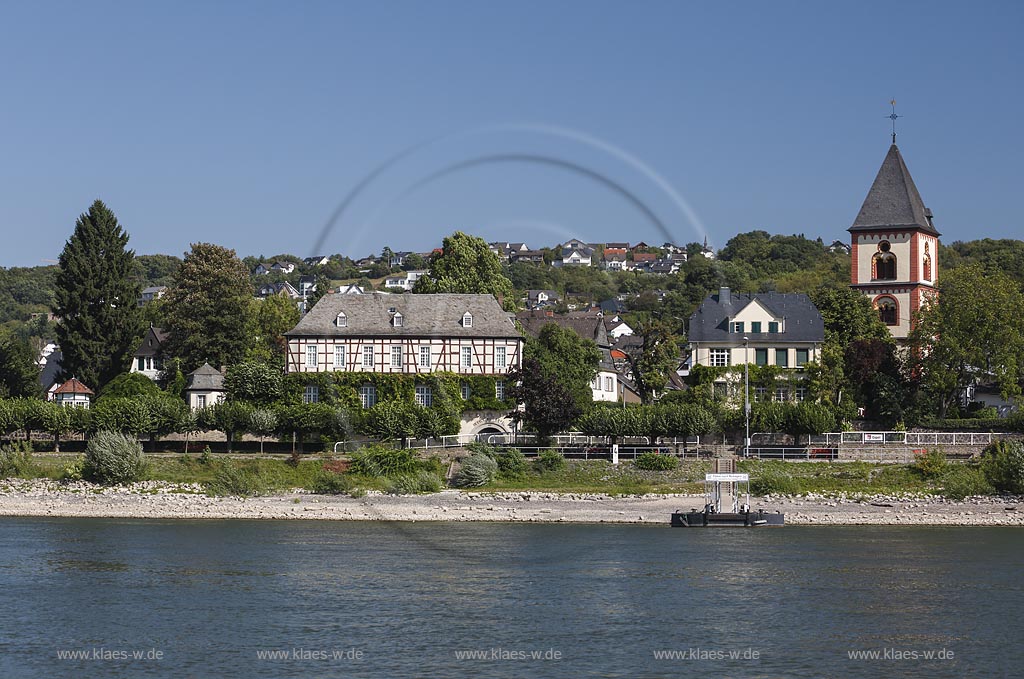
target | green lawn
[{"x": 223, "y": 475}]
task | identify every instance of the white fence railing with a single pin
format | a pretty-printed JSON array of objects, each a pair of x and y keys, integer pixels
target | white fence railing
[{"x": 902, "y": 438}]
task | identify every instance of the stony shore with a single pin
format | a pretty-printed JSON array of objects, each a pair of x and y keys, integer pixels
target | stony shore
[{"x": 157, "y": 500}]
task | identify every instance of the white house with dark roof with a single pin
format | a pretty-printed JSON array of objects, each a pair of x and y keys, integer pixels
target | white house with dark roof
[
  {"x": 774, "y": 328},
  {"x": 152, "y": 293},
  {"x": 148, "y": 358},
  {"x": 405, "y": 280},
  {"x": 408, "y": 334},
  {"x": 204, "y": 387},
  {"x": 575, "y": 256}
]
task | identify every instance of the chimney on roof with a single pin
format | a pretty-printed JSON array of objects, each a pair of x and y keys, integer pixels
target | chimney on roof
[{"x": 724, "y": 297}]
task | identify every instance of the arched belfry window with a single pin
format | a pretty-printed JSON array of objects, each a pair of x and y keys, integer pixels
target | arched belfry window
[
  {"x": 883, "y": 264},
  {"x": 888, "y": 310}
]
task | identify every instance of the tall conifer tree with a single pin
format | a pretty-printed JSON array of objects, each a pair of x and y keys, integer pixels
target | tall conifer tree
[{"x": 97, "y": 300}]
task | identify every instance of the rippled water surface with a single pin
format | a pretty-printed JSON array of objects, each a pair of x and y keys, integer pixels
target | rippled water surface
[{"x": 337, "y": 599}]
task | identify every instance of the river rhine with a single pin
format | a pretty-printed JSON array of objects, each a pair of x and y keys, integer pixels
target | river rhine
[{"x": 135, "y": 598}]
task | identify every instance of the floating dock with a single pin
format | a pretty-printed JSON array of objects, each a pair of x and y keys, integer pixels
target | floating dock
[{"x": 727, "y": 487}]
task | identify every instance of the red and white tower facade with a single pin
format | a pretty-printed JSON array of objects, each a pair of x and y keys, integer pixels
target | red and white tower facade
[{"x": 894, "y": 247}]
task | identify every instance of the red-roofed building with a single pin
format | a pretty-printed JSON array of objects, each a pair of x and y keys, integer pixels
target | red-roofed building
[{"x": 73, "y": 394}]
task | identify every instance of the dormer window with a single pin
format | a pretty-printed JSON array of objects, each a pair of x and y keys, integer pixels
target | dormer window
[
  {"x": 342, "y": 320},
  {"x": 467, "y": 320},
  {"x": 397, "y": 320}
]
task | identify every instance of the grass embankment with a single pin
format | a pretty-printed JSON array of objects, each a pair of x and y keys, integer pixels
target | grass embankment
[
  {"x": 245, "y": 477},
  {"x": 221, "y": 475}
]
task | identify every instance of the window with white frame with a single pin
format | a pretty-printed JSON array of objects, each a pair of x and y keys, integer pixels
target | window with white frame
[
  {"x": 342, "y": 320},
  {"x": 396, "y": 357},
  {"x": 425, "y": 357},
  {"x": 368, "y": 395},
  {"x": 500, "y": 358},
  {"x": 424, "y": 397},
  {"x": 737, "y": 326},
  {"x": 782, "y": 394},
  {"x": 311, "y": 357},
  {"x": 760, "y": 394},
  {"x": 311, "y": 394},
  {"x": 397, "y": 320},
  {"x": 465, "y": 391},
  {"x": 718, "y": 358},
  {"x": 467, "y": 357},
  {"x": 368, "y": 356},
  {"x": 467, "y": 320},
  {"x": 499, "y": 390},
  {"x": 201, "y": 401},
  {"x": 339, "y": 356},
  {"x": 608, "y": 384},
  {"x": 800, "y": 394}
]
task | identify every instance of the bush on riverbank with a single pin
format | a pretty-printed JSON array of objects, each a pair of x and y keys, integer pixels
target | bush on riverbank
[
  {"x": 416, "y": 483},
  {"x": 382, "y": 461},
  {"x": 512, "y": 465},
  {"x": 655, "y": 462},
  {"x": 549, "y": 461},
  {"x": 16, "y": 461},
  {"x": 113, "y": 459},
  {"x": 965, "y": 480},
  {"x": 1003, "y": 464},
  {"x": 476, "y": 470}
]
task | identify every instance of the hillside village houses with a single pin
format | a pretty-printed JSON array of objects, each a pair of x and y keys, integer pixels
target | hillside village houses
[{"x": 894, "y": 249}]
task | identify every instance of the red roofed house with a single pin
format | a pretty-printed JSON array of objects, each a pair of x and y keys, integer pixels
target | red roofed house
[{"x": 73, "y": 394}]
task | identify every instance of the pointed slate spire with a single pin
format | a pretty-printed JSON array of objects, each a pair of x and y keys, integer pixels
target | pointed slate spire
[{"x": 893, "y": 200}]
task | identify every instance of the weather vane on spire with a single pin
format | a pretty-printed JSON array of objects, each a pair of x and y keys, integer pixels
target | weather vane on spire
[{"x": 892, "y": 116}]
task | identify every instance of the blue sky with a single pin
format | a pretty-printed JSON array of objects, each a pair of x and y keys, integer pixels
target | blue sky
[{"x": 247, "y": 124}]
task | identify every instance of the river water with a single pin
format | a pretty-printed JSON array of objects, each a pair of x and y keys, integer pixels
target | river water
[{"x": 134, "y": 598}]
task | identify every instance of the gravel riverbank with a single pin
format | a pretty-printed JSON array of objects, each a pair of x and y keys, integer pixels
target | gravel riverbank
[{"x": 158, "y": 500}]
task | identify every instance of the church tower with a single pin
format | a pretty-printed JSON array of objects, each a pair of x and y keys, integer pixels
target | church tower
[{"x": 894, "y": 247}]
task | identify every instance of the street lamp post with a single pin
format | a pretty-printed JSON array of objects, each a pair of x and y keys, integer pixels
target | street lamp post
[{"x": 746, "y": 397}]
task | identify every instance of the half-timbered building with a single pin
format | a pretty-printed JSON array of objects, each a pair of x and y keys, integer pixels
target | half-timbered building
[{"x": 406, "y": 334}]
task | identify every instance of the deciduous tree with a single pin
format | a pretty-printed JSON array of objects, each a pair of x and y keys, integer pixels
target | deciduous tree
[
  {"x": 19, "y": 375},
  {"x": 208, "y": 309},
  {"x": 466, "y": 265},
  {"x": 973, "y": 331}
]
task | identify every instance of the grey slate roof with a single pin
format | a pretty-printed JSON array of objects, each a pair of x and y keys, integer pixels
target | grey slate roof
[
  {"x": 151, "y": 343},
  {"x": 587, "y": 326},
  {"x": 205, "y": 377},
  {"x": 803, "y": 323},
  {"x": 893, "y": 200},
  {"x": 437, "y": 315}
]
